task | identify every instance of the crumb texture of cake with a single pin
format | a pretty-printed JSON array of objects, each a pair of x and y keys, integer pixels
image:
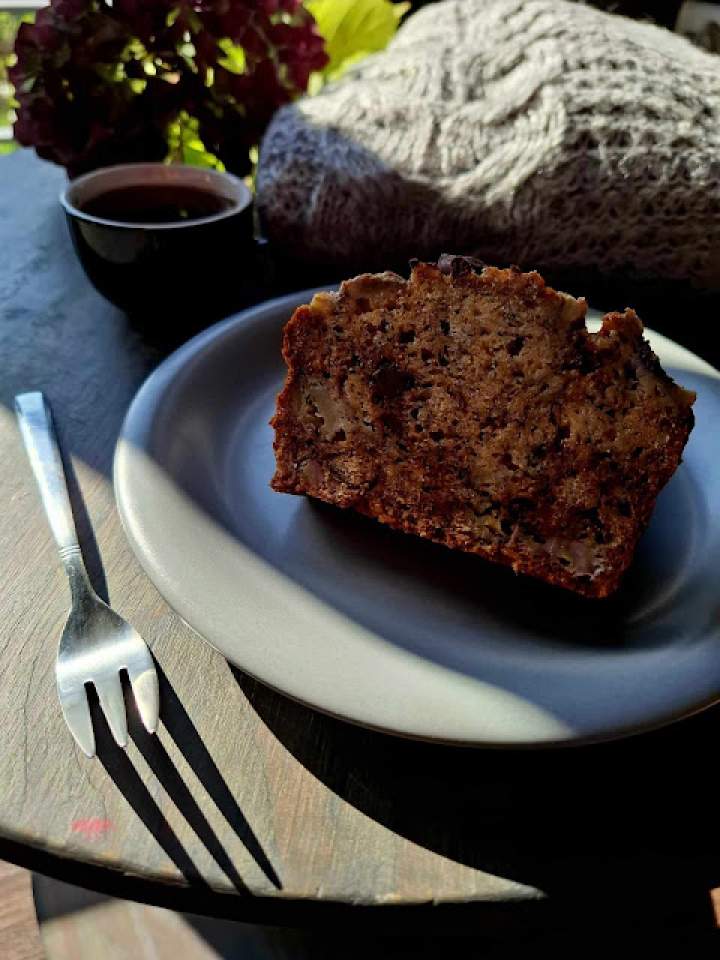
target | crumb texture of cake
[{"x": 470, "y": 405}]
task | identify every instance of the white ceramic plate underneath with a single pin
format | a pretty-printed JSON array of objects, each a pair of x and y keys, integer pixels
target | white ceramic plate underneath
[{"x": 387, "y": 630}]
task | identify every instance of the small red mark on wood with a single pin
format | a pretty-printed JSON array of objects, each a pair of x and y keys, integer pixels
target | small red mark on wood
[{"x": 92, "y": 828}]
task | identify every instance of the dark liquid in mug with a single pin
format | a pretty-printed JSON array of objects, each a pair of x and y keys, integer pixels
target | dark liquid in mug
[{"x": 157, "y": 203}]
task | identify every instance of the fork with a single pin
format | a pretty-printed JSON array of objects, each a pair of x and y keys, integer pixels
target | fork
[{"x": 96, "y": 644}]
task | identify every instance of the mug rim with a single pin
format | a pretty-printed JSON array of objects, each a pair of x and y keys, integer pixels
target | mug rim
[{"x": 132, "y": 174}]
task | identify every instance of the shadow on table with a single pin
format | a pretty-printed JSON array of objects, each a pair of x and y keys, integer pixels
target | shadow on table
[
  {"x": 626, "y": 831},
  {"x": 232, "y": 940},
  {"x": 244, "y": 942},
  {"x": 129, "y": 782},
  {"x": 188, "y": 741}
]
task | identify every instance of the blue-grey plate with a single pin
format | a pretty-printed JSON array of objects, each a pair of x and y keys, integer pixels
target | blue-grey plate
[{"x": 387, "y": 630}]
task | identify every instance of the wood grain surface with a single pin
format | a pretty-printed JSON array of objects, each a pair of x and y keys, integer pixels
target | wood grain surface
[
  {"x": 242, "y": 792},
  {"x": 118, "y": 929},
  {"x": 19, "y": 932}
]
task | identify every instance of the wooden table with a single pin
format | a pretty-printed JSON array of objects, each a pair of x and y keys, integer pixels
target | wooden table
[{"x": 246, "y": 804}]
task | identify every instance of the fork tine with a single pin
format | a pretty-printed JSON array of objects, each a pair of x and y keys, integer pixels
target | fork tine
[
  {"x": 110, "y": 695},
  {"x": 144, "y": 682},
  {"x": 77, "y": 716}
]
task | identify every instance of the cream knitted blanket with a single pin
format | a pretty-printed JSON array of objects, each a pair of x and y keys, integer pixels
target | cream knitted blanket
[{"x": 540, "y": 132}]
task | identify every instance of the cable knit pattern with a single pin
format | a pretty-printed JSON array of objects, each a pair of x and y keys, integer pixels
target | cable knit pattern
[{"x": 536, "y": 131}]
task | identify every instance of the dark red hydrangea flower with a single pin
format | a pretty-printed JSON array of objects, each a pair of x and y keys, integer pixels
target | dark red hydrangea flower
[{"x": 100, "y": 83}]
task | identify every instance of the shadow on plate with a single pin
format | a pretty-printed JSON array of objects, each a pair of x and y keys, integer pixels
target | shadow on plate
[{"x": 538, "y": 612}]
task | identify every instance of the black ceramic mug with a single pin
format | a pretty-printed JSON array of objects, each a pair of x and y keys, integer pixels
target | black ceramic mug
[{"x": 189, "y": 251}]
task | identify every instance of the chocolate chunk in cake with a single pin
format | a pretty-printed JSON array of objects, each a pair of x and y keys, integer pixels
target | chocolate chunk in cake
[{"x": 470, "y": 406}]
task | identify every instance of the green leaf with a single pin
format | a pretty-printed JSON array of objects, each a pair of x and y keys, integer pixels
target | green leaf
[
  {"x": 185, "y": 145},
  {"x": 354, "y": 28},
  {"x": 234, "y": 59}
]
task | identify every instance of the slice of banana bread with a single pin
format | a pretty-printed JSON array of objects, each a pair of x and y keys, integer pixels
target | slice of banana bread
[{"x": 470, "y": 405}]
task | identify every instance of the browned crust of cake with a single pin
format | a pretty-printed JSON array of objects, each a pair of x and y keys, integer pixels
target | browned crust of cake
[{"x": 470, "y": 406}]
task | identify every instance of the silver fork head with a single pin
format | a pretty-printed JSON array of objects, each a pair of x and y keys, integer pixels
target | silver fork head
[{"x": 95, "y": 647}]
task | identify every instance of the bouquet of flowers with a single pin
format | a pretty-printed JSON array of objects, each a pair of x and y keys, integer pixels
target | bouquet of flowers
[{"x": 111, "y": 81}]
